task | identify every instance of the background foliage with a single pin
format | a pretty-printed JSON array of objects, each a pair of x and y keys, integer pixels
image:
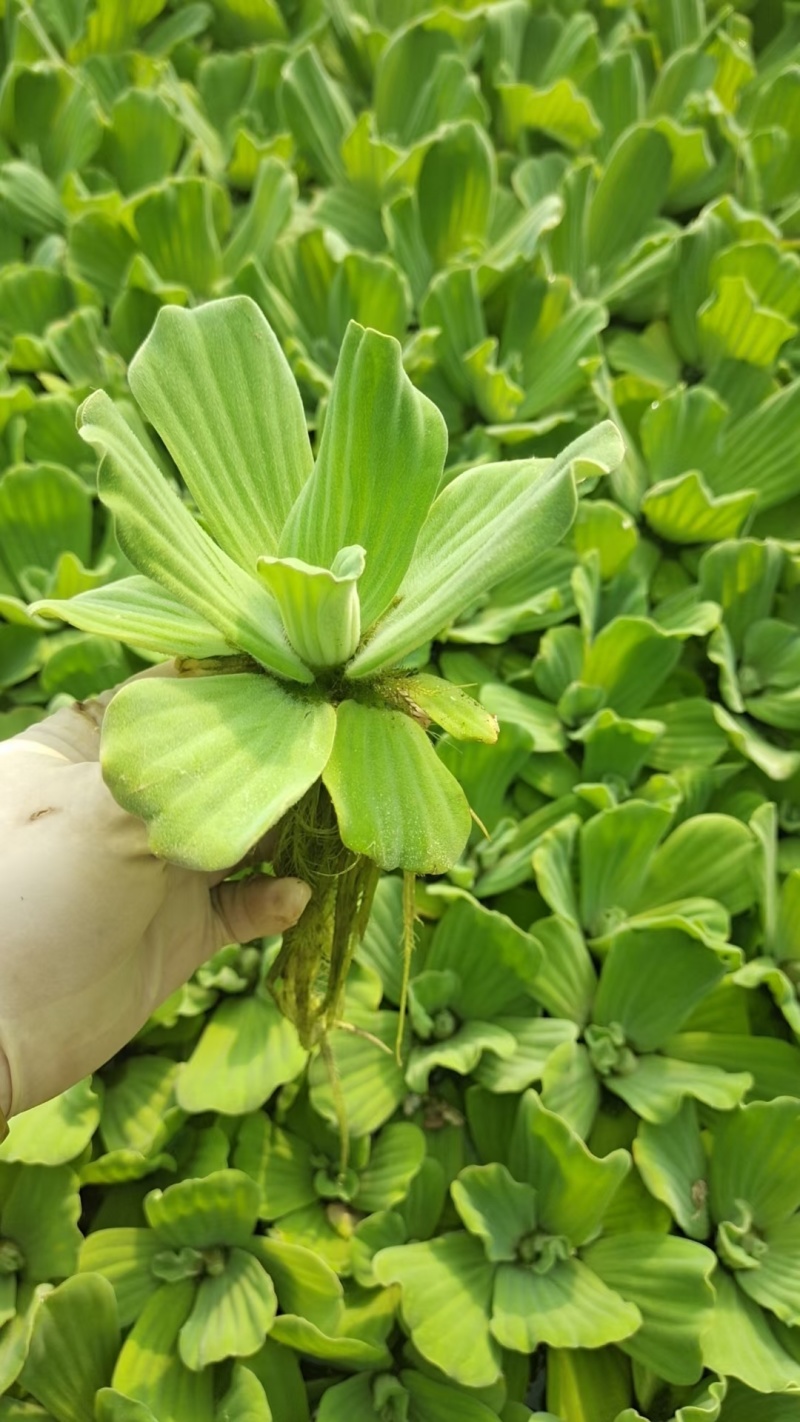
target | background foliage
[{"x": 580, "y": 1192}]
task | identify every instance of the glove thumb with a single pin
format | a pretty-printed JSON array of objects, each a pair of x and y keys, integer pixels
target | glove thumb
[{"x": 255, "y": 908}]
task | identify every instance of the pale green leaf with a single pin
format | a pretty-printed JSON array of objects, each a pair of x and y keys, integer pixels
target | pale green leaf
[
  {"x": 216, "y": 386},
  {"x": 486, "y": 524},
  {"x": 73, "y": 1347},
  {"x": 211, "y": 763},
  {"x": 246, "y": 1051},
  {"x": 165, "y": 541},
  {"x": 668, "y": 1280},
  {"x": 567, "y": 1307},
  {"x": 446, "y": 1298},
  {"x": 395, "y": 801},
  {"x": 377, "y": 471},
  {"x": 231, "y": 1314}
]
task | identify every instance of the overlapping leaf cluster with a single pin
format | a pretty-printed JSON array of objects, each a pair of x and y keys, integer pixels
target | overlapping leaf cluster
[{"x": 581, "y": 1188}]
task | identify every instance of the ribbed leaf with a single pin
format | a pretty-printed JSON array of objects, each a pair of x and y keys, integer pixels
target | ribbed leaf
[
  {"x": 55, "y": 1132},
  {"x": 218, "y": 389},
  {"x": 166, "y": 543},
  {"x": 755, "y": 1160},
  {"x": 73, "y": 1348},
  {"x": 574, "y": 1188},
  {"x": 377, "y": 471},
  {"x": 651, "y": 981},
  {"x": 495, "y": 1208},
  {"x": 568, "y": 1307},
  {"x": 246, "y": 1051},
  {"x": 124, "y": 1256},
  {"x": 659, "y": 1084},
  {"x": 629, "y": 194},
  {"x": 739, "y": 1343},
  {"x": 279, "y": 1162},
  {"x": 372, "y": 1082},
  {"x": 212, "y": 762},
  {"x": 446, "y": 1299},
  {"x": 396, "y": 1157},
  {"x": 484, "y": 526},
  {"x": 138, "y": 611},
  {"x": 43, "y": 511},
  {"x": 149, "y": 1368},
  {"x": 672, "y": 1162},
  {"x": 320, "y": 607},
  {"x": 395, "y": 801},
  {"x": 231, "y": 1315},
  {"x": 668, "y": 1280},
  {"x": 220, "y": 1209},
  {"x": 40, "y": 1214},
  {"x": 455, "y": 192}
]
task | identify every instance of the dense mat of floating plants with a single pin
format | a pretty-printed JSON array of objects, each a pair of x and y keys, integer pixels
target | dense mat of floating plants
[{"x": 573, "y": 1194}]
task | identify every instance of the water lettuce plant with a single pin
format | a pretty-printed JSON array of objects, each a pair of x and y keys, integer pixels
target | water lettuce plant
[{"x": 293, "y": 609}]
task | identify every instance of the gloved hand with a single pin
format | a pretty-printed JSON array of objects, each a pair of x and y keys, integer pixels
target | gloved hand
[{"x": 94, "y": 931}]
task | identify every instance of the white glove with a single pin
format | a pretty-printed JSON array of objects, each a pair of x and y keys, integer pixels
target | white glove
[{"x": 94, "y": 931}]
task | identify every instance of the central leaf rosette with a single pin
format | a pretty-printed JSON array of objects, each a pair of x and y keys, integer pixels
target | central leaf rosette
[{"x": 295, "y": 599}]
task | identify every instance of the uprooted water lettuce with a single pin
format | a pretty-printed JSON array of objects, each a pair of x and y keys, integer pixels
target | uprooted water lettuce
[{"x": 292, "y": 606}]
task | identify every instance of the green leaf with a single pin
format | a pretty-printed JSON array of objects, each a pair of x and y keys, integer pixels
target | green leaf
[
  {"x": 463, "y": 549},
  {"x": 668, "y": 1280},
  {"x": 304, "y": 1283},
  {"x": 571, "y": 1087},
  {"x": 149, "y": 1369},
  {"x": 495, "y": 1208},
  {"x": 494, "y": 960},
  {"x": 738, "y": 1342},
  {"x": 615, "y": 850},
  {"x": 658, "y": 1085},
  {"x": 567, "y": 1307},
  {"x": 753, "y": 1161},
  {"x": 455, "y": 193},
  {"x": 372, "y": 1082},
  {"x": 559, "y": 110},
  {"x": 231, "y": 1314},
  {"x": 395, "y": 801},
  {"x": 773, "y": 1284},
  {"x": 165, "y": 541},
  {"x": 279, "y": 1162},
  {"x": 320, "y": 607},
  {"x": 374, "y": 478},
  {"x": 672, "y": 1162},
  {"x": 44, "y": 510},
  {"x": 55, "y": 1132},
  {"x": 176, "y": 223},
  {"x": 73, "y": 1347},
  {"x": 396, "y": 1157},
  {"x": 536, "y": 1039},
  {"x": 40, "y": 1215},
  {"x": 574, "y": 1188},
  {"x": 629, "y": 195},
  {"x": 708, "y": 855},
  {"x": 246, "y": 1051},
  {"x": 772, "y": 1063},
  {"x": 245, "y": 1400},
  {"x": 446, "y": 1298},
  {"x": 447, "y": 706},
  {"x": 629, "y": 660},
  {"x": 732, "y": 325},
  {"x": 139, "y": 1105},
  {"x": 216, "y": 386},
  {"x": 651, "y": 981},
  {"x": 591, "y": 1386},
  {"x": 138, "y": 611},
  {"x": 221, "y": 1209},
  {"x": 683, "y": 510},
  {"x": 212, "y": 762},
  {"x": 124, "y": 1256}
]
